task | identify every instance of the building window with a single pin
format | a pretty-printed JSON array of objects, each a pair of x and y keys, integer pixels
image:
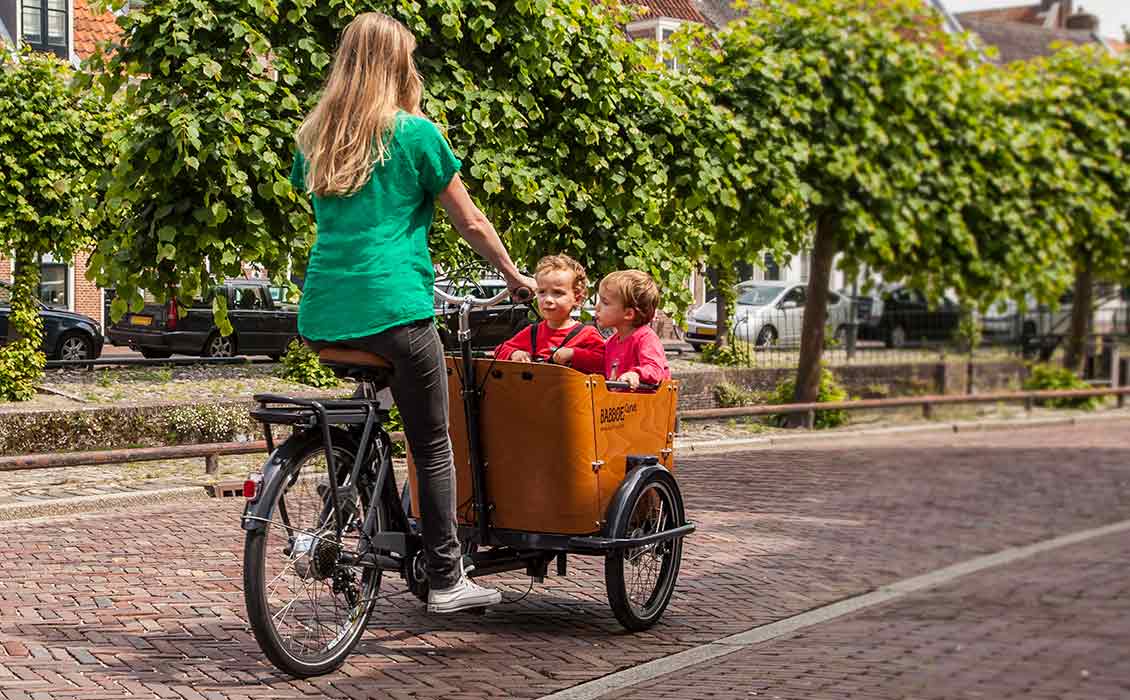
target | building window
[
  {"x": 665, "y": 52},
  {"x": 45, "y": 26},
  {"x": 53, "y": 283}
]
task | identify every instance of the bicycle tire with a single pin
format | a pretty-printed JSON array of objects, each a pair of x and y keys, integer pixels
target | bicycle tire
[
  {"x": 311, "y": 567},
  {"x": 638, "y": 610}
]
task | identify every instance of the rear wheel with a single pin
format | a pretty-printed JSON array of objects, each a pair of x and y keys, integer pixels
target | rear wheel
[
  {"x": 219, "y": 345},
  {"x": 896, "y": 337},
  {"x": 766, "y": 336},
  {"x": 307, "y": 604},
  {"x": 641, "y": 580}
]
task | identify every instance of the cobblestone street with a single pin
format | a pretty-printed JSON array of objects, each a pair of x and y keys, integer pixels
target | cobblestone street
[{"x": 147, "y": 603}]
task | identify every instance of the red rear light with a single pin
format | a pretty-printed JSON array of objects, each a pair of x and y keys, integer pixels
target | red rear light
[
  {"x": 171, "y": 315},
  {"x": 251, "y": 487}
]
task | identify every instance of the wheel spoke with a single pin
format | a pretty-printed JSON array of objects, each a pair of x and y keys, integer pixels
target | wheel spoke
[{"x": 313, "y": 604}]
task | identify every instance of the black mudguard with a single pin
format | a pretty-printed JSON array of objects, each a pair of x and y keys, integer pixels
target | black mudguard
[
  {"x": 257, "y": 514},
  {"x": 639, "y": 468}
]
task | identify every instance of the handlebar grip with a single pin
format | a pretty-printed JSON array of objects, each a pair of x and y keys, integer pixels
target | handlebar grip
[
  {"x": 522, "y": 294},
  {"x": 625, "y": 385}
]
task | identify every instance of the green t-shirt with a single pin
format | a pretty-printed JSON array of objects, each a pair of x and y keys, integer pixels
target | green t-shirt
[{"x": 370, "y": 268}]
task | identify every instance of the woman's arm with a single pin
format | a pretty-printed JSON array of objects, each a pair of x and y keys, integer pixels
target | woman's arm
[{"x": 473, "y": 225}]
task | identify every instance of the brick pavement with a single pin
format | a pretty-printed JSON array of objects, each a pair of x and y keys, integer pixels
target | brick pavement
[
  {"x": 1053, "y": 627},
  {"x": 147, "y": 603}
]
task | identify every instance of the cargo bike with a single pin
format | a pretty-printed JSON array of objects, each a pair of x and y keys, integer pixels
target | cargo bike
[{"x": 550, "y": 462}]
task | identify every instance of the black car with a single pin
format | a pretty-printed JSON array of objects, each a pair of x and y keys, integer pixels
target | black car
[
  {"x": 905, "y": 317},
  {"x": 260, "y": 326},
  {"x": 66, "y": 335}
]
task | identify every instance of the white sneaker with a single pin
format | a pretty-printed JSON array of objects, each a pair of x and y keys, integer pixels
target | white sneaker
[{"x": 463, "y": 595}]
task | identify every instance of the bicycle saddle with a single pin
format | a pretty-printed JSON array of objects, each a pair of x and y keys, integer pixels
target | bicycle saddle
[{"x": 356, "y": 364}]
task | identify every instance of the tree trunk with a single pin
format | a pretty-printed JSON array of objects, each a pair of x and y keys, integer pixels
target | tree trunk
[
  {"x": 724, "y": 302},
  {"x": 815, "y": 315},
  {"x": 24, "y": 320},
  {"x": 1080, "y": 315}
]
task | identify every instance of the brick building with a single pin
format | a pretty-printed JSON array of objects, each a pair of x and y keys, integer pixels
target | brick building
[{"x": 70, "y": 29}]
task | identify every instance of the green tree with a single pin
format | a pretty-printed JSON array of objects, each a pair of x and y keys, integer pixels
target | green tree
[
  {"x": 572, "y": 138},
  {"x": 51, "y": 156},
  {"x": 1083, "y": 94},
  {"x": 885, "y": 132}
]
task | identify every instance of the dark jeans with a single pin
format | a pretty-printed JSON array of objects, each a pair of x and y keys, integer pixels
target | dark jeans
[{"x": 419, "y": 387}]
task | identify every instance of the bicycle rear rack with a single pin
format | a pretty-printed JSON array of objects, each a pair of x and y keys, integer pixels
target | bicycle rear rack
[{"x": 310, "y": 414}]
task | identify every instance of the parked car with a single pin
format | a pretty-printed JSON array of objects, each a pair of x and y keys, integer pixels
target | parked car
[
  {"x": 66, "y": 335},
  {"x": 767, "y": 313},
  {"x": 260, "y": 326},
  {"x": 905, "y": 317},
  {"x": 1004, "y": 322}
]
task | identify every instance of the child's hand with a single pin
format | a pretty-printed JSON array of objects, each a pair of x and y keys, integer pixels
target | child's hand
[
  {"x": 632, "y": 379},
  {"x": 520, "y": 356},
  {"x": 563, "y": 356}
]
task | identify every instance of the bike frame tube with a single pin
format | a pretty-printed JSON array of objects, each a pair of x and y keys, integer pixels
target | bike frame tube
[{"x": 470, "y": 392}]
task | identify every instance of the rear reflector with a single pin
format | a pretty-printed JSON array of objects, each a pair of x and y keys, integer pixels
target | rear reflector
[{"x": 251, "y": 487}]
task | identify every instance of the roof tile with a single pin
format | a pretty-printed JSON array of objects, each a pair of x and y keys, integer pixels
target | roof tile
[
  {"x": 1016, "y": 41},
  {"x": 675, "y": 9},
  {"x": 92, "y": 27}
]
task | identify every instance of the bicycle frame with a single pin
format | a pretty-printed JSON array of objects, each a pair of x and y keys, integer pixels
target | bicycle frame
[{"x": 471, "y": 396}]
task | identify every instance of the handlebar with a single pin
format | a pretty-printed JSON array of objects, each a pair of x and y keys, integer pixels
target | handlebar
[
  {"x": 521, "y": 294},
  {"x": 624, "y": 385}
]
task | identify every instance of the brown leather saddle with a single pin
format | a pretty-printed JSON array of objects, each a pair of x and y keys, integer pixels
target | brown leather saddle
[{"x": 356, "y": 364}]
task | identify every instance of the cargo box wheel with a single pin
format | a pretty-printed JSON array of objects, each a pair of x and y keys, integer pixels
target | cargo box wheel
[{"x": 640, "y": 580}]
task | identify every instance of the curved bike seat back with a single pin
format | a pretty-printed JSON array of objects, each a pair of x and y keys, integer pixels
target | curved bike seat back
[{"x": 356, "y": 364}]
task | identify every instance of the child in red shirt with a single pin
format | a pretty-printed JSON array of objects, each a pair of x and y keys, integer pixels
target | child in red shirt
[
  {"x": 562, "y": 287},
  {"x": 626, "y": 301}
]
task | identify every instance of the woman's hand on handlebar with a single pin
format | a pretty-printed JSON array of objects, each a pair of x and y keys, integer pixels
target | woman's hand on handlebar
[{"x": 522, "y": 287}]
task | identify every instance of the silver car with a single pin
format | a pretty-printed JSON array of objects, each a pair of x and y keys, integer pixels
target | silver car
[{"x": 767, "y": 313}]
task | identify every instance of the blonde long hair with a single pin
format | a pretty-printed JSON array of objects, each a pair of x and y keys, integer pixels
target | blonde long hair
[{"x": 372, "y": 75}]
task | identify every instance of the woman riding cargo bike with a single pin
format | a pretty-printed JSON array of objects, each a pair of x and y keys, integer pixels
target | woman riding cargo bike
[{"x": 324, "y": 519}]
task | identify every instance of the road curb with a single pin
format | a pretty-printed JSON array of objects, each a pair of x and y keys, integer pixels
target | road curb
[
  {"x": 73, "y": 505},
  {"x": 768, "y": 441}
]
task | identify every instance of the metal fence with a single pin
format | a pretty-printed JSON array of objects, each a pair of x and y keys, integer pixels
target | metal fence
[{"x": 853, "y": 335}]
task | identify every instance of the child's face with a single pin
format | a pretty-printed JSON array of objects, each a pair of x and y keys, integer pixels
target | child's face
[
  {"x": 610, "y": 311},
  {"x": 556, "y": 298}
]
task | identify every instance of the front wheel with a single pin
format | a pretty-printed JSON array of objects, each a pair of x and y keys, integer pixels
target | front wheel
[
  {"x": 307, "y": 602},
  {"x": 641, "y": 580},
  {"x": 75, "y": 346}
]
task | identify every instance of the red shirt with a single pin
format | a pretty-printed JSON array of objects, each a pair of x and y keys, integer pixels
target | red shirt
[
  {"x": 641, "y": 352},
  {"x": 588, "y": 341}
]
